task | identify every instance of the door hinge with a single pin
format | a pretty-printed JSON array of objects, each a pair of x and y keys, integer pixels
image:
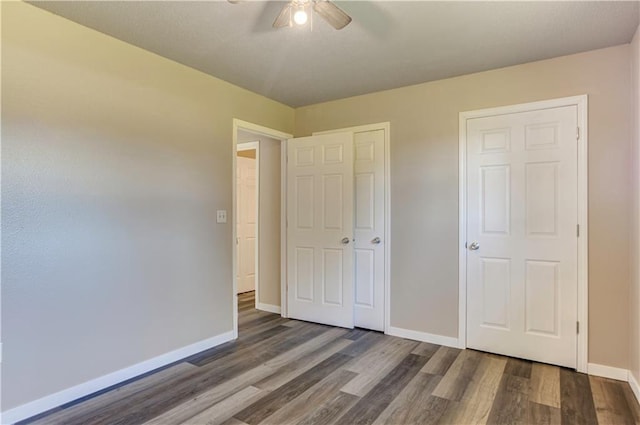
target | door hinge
[
  {"x": 577, "y": 327},
  {"x": 577, "y": 230},
  {"x": 577, "y": 133}
]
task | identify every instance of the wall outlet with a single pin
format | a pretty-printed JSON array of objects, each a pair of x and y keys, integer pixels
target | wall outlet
[{"x": 221, "y": 216}]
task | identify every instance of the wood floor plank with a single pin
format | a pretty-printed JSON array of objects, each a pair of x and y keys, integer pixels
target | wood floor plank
[
  {"x": 518, "y": 367},
  {"x": 230, "y": 347},
  {"x": 256, "y": 317},
  {"x": 356, "y": 333},
  {"x": 331, "y": 410},
  {"x": 87, "y": 407},
  {"x": 233, "y": 421},
  {"x": 369, "y": 407},
  {"x": 415, "y": 404},
  {"x": 266, "y": 406},
  {"x": 201, "y": 402},
  {"x": 541, "y": 414},
  {"x": 545, "y": 385},
  {"x": 277, "y": 372},
  {"x": 293, "y": 323},
  {"x": 426, "y": 349},
  {"x": 610, "y": 402},
  {"x": 374, "y": 365},
  {"x": 147, "y": 405},
  {"x": 309, "y": 350},
  {"x": 222, "y": 411},
  {"x": 317, "y": 351},
  {"x": 361, "y": 345},
  {"x": 299, "y": 407},
  {"x": 440, "y": 362},
  {"x": 245, "y": 333},
  {"x": 477, "y": 401},
  {"x": 246, "y": 305},
  {"x": 510, "y": 406},
  {"x": 455, "y": 381},
  {"x": 427, "y": 412},
  {"x": 279, "y": 366},
  {"x": 576, "y": 401}
]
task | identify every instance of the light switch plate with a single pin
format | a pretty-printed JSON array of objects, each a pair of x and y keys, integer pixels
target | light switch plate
[{"x": 221, "y": 216}]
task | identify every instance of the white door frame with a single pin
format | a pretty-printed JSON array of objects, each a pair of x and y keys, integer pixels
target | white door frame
[
  {"x": 247, "y": 146},
  {"x": 581, "y": 102},
  {"x": 283, "y": 137},
  {"x": 386, "y": 126}
]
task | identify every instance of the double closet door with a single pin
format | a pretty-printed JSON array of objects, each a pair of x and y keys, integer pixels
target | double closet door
[{"x": 335, "y": 229}]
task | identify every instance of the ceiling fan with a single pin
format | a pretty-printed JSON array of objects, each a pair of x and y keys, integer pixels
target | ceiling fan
[
  {"x": 299, "y": 11},
  {"x": 296, "y": 12}
]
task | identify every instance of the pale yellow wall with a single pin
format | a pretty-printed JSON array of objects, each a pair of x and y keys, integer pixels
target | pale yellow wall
[
  {"x": 634, "y": 298},
  {"x": 114, "y": 162},
  {"x": 424, "y": 183}
]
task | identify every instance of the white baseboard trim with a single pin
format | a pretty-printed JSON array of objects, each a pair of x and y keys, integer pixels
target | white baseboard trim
[
  {"x": 65, "y": 396},
  {"x": 269, "y": 307},
  {"x": 633, "y": 383},
  {"x": 423, "y": 336},
  {"x": 608, "y": 372}
]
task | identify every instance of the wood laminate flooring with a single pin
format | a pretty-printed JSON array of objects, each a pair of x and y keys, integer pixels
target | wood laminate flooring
[{"x": 282, "y": 371}]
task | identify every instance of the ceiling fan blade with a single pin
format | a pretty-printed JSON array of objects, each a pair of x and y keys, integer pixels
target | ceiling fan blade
[
  {"x": 335, "y": 16},
  {"x": 284, "y": 18}
]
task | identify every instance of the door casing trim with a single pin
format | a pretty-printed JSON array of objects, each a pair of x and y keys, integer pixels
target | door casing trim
[
  {"x": 581, "y": 102},
  {"x": 283, "y": 137}
]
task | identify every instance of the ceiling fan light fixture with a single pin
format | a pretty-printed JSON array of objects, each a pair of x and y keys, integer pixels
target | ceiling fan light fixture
[
  {"x": 299, "y": 12},
  {"x": 300, "y": 17}
]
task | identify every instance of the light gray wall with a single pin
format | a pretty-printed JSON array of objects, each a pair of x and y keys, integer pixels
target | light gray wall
[
  {"x": 114, "y": 162},
  {"x": 269, "y": 227},
  {"x": 424, "y": 183},
  {"x": 270, "y": 198}
]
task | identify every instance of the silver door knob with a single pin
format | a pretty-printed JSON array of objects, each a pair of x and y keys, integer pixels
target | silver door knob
[
  {"x": 375, "y": 240},
  {"x": 474, "y": 246},
  {"x": 345, "y": 241}
]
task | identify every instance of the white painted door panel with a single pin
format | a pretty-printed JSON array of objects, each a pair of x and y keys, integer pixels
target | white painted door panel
[
  {"x": 246, "y": 222},
  {"x": 320, "y": 217},
  {"x": 369, "y": 228},
  {"x": 522, "y": 212}
]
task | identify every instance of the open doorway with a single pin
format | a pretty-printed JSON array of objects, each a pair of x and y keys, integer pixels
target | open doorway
[
  {"x": 258, "y": 219},
  {"x": 247, "y": 211}
]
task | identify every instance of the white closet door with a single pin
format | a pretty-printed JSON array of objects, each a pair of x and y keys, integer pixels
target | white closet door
[
  {"x": 246, "y": 199},
  {"x": 369, "y": 244},
  {"x": 521, "y": 235},
  {"x": 320, "y": 229}
]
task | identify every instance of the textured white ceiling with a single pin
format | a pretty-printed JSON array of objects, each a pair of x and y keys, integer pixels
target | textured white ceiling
[{"x": 388, "y": 44}]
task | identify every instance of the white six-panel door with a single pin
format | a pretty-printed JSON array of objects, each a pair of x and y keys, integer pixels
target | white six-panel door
[
  {"x": 246, "y": 222},
  {"x": 369, "y": 216},
  {"x": 521, "y": 235},
  {"x": 320, "y": 229}
]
